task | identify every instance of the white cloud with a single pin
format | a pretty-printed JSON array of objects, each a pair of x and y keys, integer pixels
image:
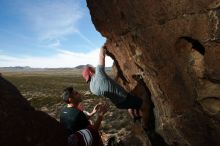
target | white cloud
[
  {"x": 53, "y": 19},
  {"x": 55, "y": 44},
  {"x": 50, "y": 23},
  {"x": 64, "y": 58},
  {"x": 86, "y": 39}
]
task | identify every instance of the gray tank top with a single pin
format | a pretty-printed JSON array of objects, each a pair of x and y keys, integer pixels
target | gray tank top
[{"x": 102, "y": 85}]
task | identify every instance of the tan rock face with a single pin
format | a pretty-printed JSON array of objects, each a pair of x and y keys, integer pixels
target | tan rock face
[
  {"x": 21, "y": 125},
  {"x": 174, "y": 46}
]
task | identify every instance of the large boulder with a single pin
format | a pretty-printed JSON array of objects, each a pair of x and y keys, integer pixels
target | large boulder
[
  {"x": 22, "y": 125},
  {"x": 174, "y": 48}
]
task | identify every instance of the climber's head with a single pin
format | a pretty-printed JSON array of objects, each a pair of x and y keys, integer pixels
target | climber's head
[
  {"x": 87, "y": 73},
  {"x": 71, "y": 96}
]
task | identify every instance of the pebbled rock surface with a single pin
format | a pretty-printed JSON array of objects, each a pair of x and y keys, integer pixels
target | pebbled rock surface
[{"x": 174, "y": 48}]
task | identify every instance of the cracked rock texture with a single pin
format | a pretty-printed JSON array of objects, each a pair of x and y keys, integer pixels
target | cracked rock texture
[
  {"x": 21, "y": 125},
  {"x": 174, "y": 47}
]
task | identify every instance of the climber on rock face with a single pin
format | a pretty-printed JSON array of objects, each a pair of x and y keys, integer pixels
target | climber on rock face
[
  {"x": 102, "y": 85},
  {"x": 76, "y": 122}
]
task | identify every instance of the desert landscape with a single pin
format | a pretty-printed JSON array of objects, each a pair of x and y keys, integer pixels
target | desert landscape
[
  {"x": 43, "y": 87},
  {"x": 165, "y": 52}
]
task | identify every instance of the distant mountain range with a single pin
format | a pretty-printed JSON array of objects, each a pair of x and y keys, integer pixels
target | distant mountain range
[
  {"x": 28, "y": 68},
  {"x": 16, "y": 67},
  {"x": 82, "y": 66}
]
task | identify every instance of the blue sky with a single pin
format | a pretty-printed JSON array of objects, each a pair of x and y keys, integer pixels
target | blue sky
[{"x": 48, "y": 33}]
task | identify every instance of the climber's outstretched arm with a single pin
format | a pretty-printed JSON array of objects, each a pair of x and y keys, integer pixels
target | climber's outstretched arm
[{"x": 102, "y": 56}]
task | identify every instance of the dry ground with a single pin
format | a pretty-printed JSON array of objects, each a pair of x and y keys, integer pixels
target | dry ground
[{"x": 43, "y": 89}]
